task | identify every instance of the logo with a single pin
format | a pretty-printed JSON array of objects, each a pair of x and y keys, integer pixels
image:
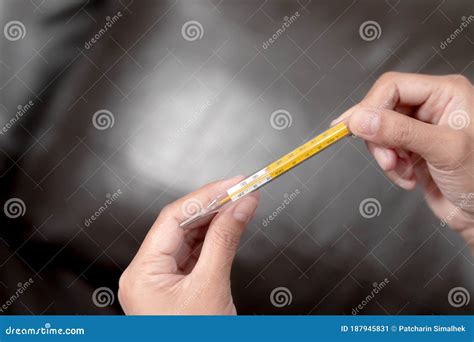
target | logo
[
  {"x": 370, "y": 208},
  {"x": 458, "y": 119},
  {"x": 14, "y": 30},
  {"x": 458, "y": 296},
  {"x": 280, "y": 297},
  {"x": 103, "y": 119},
  {"x": 370, "y": 30},
  {"x": 102, "y": 297},
  {"x": 192, "y": 30},
  {"x": 281, "y": 119},
  {"x": 191, "y": 207},
  {"x": 14, "y": 208}
]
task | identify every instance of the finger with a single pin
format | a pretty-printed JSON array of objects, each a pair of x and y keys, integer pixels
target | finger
[
  {"x": 404, "y": 183},
  {"x": 405, "y": 110},
  {"x": 189, "y": 260},
  {"x": 397, "y": 167},
  {"x": 223, "y": 236},
  {"x": 345, "y": 115},
  {"x": 193, "y": 202},
  {"x": 405, "y": 166},
  {"x": 394, "y": 89},
  {"x": 403, "y": 91},
  {"x": 189, "y": 252},
  {"x": 439, "y": 145},
  {"x": 433, "y": 196},
  {"x": 165, "y": 238},
  {"x": 385, "y": 157}
]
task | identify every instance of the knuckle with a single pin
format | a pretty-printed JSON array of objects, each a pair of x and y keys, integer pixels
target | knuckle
[
  {"x": 462, "y": 147},
  {"x": 384, "y": 93},
  {"x": 167, "y": 210},
  {"x": 402, "y": 132},
  {"x": 387, "y": 77},
  {"x": 459, "y": 80}
]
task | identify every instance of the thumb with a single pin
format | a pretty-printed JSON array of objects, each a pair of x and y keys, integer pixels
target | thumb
[
  {"x": 223, "y": 236},
  {"x": 441, "y": 146}
]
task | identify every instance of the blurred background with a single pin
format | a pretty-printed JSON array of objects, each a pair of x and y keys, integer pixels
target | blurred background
[{"x": 112, "y": 109}]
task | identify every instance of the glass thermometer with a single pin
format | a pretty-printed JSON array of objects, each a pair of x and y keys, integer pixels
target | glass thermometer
[{"x": 272, "y": 171}]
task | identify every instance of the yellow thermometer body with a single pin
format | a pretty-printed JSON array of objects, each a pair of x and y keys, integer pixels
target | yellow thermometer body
[{"x": 275, "y": 169}]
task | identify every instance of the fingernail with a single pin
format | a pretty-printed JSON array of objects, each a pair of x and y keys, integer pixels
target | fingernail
[
  {"x": 382, "y": 156},
  {"x": 245, "y": 209},
  {"x": 336, "y": 121},
  {"x": 343, "y": 116},
  {"x": 365, "y": 121}
]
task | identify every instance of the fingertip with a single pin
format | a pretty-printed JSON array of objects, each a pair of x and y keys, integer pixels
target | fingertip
[
  {"x": 404, "y": 183},
  {"x": 238, "y": 177},
  {"x": 364, "y": 122},
  {"x": 381, "y": 156},
  {"x": 343, "y": 116},
  {"x": 396, "y": 179},
  {"x": 391, "y": 163},
  {"x": 244, "y": 210},
  {"x": 227, "y": 181},
  {"x": 336, "y": 121},
  {"x": 407, "y": 184},
  {"x": 256, "y": 195},
  {"x": 386, "y": 158}
]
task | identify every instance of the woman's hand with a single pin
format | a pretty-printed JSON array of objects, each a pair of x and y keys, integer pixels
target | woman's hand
[
  {"x": 419, "y": 129},
  {"x": 187, "y": 271}
]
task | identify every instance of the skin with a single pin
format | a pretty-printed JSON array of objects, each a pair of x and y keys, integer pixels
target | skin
[
  {"x": 408, "y": 122},
  {"x": 405, "y": 120},
  {"x": 187, "y": 271}
]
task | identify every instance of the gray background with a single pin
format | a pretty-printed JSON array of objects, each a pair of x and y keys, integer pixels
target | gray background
[{"x": 166, "y": 142}]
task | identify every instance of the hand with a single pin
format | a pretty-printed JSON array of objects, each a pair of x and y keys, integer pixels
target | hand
[
  {"x": 187, "y": 271},
  {"x": 419, "y": 129}
]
